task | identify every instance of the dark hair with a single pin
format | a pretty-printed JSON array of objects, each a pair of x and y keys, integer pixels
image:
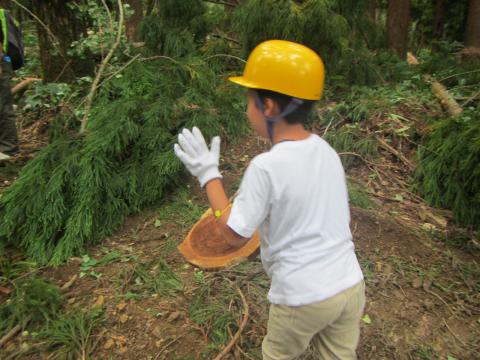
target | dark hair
[{"x": 299, "y": 116}]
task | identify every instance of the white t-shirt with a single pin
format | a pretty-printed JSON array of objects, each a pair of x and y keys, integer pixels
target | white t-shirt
[{"x": 296, "y": 195}]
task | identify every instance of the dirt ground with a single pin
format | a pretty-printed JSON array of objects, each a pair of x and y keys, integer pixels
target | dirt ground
[{"x": 423, "y": 289}]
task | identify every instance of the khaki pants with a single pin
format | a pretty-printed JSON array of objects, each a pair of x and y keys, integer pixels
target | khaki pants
[{"x": 332, "y": 325}]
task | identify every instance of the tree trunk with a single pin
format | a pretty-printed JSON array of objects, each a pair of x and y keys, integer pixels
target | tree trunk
[
  {"x": 398, "y": 20},
  {"x": 133, "y": 22},
  {"x": 57, "y": 65},
  {"x": 472, "y": 29},
  {"x": 438, "y": 19},
  {"x": 6, "y": 4},
  {"x": 150, "y": 7},
  {"x": 234, "y": 4},
  {"x": 372, "y": 11}
]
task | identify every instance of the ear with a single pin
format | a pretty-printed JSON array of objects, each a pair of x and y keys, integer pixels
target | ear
[{"x": 271, "y": 107}]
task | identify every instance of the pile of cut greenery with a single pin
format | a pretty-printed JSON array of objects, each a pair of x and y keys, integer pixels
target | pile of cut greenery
[
  {"x": 448, "y": 172},
  {"x": 80, "y": 188}
]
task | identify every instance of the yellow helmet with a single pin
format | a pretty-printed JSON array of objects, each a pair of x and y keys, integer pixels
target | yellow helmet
[{"x": 284, "y": 67}]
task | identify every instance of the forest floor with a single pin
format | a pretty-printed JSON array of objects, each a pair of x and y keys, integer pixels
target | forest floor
[{"x": 423, "y": 287}]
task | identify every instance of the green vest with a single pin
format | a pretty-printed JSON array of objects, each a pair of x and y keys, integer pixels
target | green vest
[{"x": 3, "y": 24}]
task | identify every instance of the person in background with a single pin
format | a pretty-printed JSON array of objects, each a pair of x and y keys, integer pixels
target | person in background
[{"x": 8, "y": 131}]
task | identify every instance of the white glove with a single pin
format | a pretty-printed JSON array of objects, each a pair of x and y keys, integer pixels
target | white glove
[{"x": 195, "y": 155}]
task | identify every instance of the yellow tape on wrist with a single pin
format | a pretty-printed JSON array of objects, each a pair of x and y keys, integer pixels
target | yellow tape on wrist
[{"x": 218, "y": 214}]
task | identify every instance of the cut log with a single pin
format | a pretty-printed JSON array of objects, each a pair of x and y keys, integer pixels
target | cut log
[
  {"x": 23, "y": 84},
  {"x": 440, "y": 91},
  {"x": 446, "y": 99},
  {"x": 204, "y": 246}
]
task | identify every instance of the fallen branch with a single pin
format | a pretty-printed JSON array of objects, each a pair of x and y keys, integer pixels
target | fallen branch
[
  {"x": 471, "y": 98},
  {"x": 226, "y": 38},
  {"x": 14, "y": 331},
  {"x": 454, "y": 335},
  {"x": 395, "y": 152},
  {"x": 226, "y": 55},
  {"x": 238, "y": 346},
  {"x": 235, "y": 338},
  {"x": 68, "y": 284},
  {"x": 168, "y": 345},
  {"x": 220, "y": 2},
  {"x": 106, "y": 60},
  {"x": 441, "y": 299},
  {"x": 23, "y": 84}
]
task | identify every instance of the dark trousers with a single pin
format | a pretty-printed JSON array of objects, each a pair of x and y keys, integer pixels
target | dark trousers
[{"x": 8, "y": 131}]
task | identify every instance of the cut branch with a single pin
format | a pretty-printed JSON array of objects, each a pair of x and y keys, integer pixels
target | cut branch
[
  {"x": 235, "y": 338},
  {"x": 220, "y": 2},
  {"x": 96, "y": 81},
  {"x": 395, "y": 152},
  {"x": 23, "y": 84},
  {"x": 14, "y": 331}
]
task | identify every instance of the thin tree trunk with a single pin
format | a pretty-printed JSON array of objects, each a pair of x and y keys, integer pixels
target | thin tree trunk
[
  {"x": 472, "y": 29},
  {"x": 57, "y": 64},
  {"x": 133, "y": 22},
  {"x": 150, "y": 6},
  {"x": 6, "y": 4},
  {"x": 398, "y": 20},
  {"x": 372, "y": 10},
  {"x": 438, "y": 18}
]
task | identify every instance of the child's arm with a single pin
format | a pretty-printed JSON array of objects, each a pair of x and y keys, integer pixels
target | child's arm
[
  {"x": 202, "y": 162},
  {"x": 219, "y": 203}
]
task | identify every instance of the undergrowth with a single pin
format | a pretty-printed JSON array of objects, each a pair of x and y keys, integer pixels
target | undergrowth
[
  {"x": 180, "y": 209},
  {"x": 33, "y": 302},
  {"x": 210, "y": 310},
  {"x": 70, "y": 336},
  {"x": 358, "y": 195},
  {"x": 155, "y": 277}
]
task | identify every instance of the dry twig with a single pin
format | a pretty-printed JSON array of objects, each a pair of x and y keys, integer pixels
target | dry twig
[
  {"x": 106, "y": 60},
  {"x": 395, "y": 152},
  {"x": 14, "y": 331},
  {"x": 454, "y": 335},
  {"x": 168, "y": 345},
  {"x": 235, "y": 338}
]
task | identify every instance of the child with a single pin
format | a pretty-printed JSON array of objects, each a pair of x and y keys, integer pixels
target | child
[{"x": 296, "y": 195}]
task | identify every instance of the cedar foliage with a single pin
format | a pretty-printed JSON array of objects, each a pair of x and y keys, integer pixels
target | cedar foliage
[
  {"x": 71, "y": 333},
  {"x": 449, "y": 167},
  {"x": 176, "y": 28},
  {"x": 79, "y": 189},
  {"x": 329, "y": 27},
  {"x": 32, "y": 299}
]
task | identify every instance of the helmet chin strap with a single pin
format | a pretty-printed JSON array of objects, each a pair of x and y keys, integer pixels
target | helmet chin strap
[{"x": 293, "y": 105}]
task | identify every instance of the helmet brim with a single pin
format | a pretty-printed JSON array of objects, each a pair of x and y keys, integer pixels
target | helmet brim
[{"x": 240, "y": 80}]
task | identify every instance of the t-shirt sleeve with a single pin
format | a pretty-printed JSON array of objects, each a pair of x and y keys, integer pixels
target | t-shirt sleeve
[{"x": 252, "y": 204}]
